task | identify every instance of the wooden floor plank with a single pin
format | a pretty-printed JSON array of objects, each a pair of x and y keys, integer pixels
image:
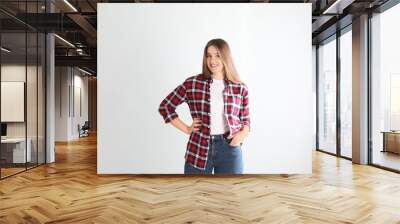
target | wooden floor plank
[{"x": 70, "y": 191}]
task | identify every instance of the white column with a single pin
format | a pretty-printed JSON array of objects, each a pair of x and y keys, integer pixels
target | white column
[
  {"x": 50, "y": 110},
  {"x": 50, "y": 92}
]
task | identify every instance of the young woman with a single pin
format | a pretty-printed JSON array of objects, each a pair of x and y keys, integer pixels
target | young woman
[{"x": 219, "y": 105}]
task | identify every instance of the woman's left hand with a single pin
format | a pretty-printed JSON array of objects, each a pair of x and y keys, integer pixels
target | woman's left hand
[
  {"x": 237, "y": 139},
  {"x": 239, "y": 136}
]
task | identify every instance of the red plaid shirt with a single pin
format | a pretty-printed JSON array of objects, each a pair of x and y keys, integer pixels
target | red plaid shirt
[{"x": 195, "y": 91}]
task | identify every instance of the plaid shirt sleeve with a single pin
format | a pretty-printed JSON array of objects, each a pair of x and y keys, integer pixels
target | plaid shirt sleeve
[
  {"x": 244, "y": 113},
  {"x": 174, "y": 99}
]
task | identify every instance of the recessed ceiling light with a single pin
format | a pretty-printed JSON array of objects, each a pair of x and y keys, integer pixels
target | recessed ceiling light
[
  {"x": 338, "y": 6},
  {"x": 70, "y": 5},
  {"x": 64, "y": 40},
  {"x": 5, "y": 50},
  {"x": 84, "y": 71}
]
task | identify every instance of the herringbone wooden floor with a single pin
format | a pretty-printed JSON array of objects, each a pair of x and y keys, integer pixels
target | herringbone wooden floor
[{"x": 70, "y": 191}]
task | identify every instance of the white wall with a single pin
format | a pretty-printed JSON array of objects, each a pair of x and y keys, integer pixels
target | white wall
[
  {"x": 146, "y": 50},
  {"x": 68, "y": 81},
  {"x": 80, "y": 83},
  {"x": 61, "y": 103}
]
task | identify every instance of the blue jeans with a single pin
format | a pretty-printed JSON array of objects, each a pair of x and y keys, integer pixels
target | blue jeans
[{"x": 222, "y": 158}]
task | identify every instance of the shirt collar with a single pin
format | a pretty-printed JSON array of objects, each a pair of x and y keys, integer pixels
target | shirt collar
[{"x": 209, "y": 79}]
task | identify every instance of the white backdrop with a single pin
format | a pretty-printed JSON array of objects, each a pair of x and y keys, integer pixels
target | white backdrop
[{"x": 146, "y": 50}]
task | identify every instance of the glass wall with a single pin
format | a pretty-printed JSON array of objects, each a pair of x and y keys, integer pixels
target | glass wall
[
  {"x": 346, "y": 93},
  {"x": 22, "y": 91},
  {"x": 327, "y": 96},
  {"x": 13, "y": 90},
  {"x": 385, "y": 89}
]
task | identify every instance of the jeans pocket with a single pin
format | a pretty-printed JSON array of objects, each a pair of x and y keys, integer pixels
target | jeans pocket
[{"x": 228, "y": 142}]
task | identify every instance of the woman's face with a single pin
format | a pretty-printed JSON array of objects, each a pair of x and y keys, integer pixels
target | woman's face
[{"x": 214, "y": 61}]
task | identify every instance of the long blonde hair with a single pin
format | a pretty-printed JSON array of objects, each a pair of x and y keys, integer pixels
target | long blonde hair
[{"x": 227, "y": 61}]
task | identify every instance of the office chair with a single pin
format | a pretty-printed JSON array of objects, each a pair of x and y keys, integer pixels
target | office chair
[{"x": 84, "y": 130}]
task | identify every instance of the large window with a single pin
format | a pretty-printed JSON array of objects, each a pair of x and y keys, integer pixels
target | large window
[
  {"x": 385, "y": 89},
  {"x": 334, "y": 106},
  {"x": 346, "y": 93},
  {"x": 327, "y": 96}
]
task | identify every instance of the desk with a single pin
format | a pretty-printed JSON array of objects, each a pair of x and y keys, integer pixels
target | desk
[
  {"x": 391, "y": 141},
  {"x": 13, "y": 150}
]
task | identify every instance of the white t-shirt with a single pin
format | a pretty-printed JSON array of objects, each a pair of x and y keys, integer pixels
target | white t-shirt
[{"x": 217, "y": 121}]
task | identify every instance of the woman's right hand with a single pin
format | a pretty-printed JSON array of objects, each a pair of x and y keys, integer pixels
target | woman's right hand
[{"x": 195, "y": 126}]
